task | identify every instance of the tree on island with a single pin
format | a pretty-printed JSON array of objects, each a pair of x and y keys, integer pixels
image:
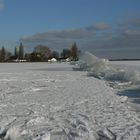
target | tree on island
[
  {"x": 16, "y": 55},
  {"x": 3, "y": 54},
  {"x": 41, "y": 53},
  {"x": 21, "y": 51},
  {"x": 74, "y": 52}
]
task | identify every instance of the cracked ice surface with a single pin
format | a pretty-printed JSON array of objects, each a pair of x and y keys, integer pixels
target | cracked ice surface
[{"x": 52, "y": 102}]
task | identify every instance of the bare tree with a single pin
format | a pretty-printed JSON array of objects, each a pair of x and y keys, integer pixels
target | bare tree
[{"x": 43, "y": 52}]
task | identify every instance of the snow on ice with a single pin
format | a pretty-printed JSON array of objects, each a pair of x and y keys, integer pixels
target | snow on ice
[{"x": 42, "y": 101}]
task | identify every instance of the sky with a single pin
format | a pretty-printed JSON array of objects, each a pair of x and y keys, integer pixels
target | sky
[{"x": 108, "y": 28}]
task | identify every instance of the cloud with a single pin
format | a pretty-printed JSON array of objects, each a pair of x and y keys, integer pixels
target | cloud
[
  {"x": 132, "y": 33},
  {"x": 121, "y": 41},
  {"x": 63, "y": 34},
  {"x": 100, "y": 38},
  {"x": 65, "y": 38},
  {"x": 60, "y": 39},
  {"x": 99, "y": 26},
  {"x": 134, "y": 22},
  {"x": 1, "y": 5}
]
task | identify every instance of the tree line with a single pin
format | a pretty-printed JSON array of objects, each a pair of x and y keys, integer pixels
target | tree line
[{"x": 40, "y": 53}]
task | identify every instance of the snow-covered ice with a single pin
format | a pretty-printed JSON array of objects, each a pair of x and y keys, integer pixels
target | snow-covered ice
[{"x": 42, "y": 101}]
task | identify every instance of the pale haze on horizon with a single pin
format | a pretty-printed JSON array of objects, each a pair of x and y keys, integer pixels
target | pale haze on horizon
[{"x": 107, "y": 28}]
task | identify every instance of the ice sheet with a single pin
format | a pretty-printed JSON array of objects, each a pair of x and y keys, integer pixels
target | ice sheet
[{"x": 61, "y": 105}]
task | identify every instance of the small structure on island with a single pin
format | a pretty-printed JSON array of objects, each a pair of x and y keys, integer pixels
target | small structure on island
[{"x": 52, "y": 60}]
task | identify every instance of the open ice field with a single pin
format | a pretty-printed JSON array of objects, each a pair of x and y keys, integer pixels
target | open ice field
[{"x": 42, "y": 101}]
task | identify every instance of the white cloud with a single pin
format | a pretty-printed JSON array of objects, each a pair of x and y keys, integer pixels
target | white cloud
[{"x": 1, "y": 5}]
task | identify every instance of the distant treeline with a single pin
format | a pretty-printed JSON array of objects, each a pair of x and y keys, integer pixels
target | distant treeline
[{"x": 40, "y": 53}]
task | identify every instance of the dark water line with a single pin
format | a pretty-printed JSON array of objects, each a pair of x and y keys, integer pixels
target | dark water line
[{"x": 132, "y": 94}]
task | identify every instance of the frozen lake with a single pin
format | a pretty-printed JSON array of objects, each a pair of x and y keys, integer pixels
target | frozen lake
[{"x": 53, "y": 102}]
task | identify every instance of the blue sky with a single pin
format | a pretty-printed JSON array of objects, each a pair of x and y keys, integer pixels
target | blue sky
[{"x": 106, "y": 27}]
